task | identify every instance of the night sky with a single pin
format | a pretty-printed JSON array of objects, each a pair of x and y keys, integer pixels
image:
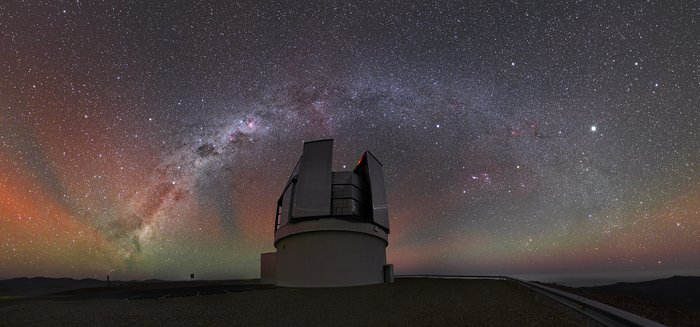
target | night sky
[{"x": 147, "y": 140}]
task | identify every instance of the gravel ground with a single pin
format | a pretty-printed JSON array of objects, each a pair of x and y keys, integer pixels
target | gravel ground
[{"x": 408, "y": 302}]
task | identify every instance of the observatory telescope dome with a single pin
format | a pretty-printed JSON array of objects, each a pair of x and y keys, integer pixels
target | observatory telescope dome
[{"x": 331, "y": 228}]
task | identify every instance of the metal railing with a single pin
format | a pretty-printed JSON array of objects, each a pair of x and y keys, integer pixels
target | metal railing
[{"x": 596, "y": 311}]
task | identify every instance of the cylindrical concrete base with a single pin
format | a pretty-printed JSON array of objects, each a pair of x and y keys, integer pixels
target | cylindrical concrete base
[{"x": 330, "y": 258}]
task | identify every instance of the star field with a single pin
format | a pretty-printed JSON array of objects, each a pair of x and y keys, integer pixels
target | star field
[{"x": 152, "y": 140}]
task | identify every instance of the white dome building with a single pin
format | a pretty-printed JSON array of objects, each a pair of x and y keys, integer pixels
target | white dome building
[{"x": 331, "y": 228}]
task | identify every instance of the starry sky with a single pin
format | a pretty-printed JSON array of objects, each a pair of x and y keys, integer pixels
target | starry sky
[{"x": 152, "y": 140}]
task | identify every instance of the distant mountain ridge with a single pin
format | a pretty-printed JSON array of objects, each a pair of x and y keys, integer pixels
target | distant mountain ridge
[
  {"x": 676, "y": 291},
  {"x": 43, "y": 286},
  {"x": 33, "y": 286}
]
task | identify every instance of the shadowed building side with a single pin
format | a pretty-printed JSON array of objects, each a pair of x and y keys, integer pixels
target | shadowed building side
[{"x": 331, "y": 228}]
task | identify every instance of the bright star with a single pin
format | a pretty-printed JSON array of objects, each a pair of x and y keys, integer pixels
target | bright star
[{"x": 594, "y": 128}]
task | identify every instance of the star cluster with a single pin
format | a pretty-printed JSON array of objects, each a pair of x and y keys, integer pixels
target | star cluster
[{"x": 151, "y": 140}]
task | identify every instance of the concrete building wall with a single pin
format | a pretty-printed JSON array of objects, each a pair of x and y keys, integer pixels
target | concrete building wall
[
  {"x": 268, "y": 268},
  {"x": 330, "y": 258}
]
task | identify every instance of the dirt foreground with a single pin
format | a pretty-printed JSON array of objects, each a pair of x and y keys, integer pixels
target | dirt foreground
[{"x": 408, "y": 302}]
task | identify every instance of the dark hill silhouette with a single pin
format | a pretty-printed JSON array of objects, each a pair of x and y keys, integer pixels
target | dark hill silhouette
[
  {"x": 677, "y": 291},
  {"x": 68, "y": 288},
  {"x": 42, "y": 285},
  {"x": 673, "y": 301}
]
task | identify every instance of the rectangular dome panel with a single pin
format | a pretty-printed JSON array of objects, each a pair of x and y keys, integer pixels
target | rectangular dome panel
[
  {"x": 284, "y": 204},
  {"x": 312, "y": 194},
  {"x": 380, "y": 211},
  {"x": 342, "y": 177}
]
